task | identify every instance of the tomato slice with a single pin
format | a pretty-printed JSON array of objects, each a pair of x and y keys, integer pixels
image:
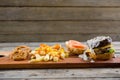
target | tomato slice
[{"x": 76, "y": 44}]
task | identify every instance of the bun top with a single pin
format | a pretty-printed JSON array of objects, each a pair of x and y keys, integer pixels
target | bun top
[{"x": 99, "y": 41}]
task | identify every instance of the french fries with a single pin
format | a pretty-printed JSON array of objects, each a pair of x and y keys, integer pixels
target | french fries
[{"x": 48, "y": 53}]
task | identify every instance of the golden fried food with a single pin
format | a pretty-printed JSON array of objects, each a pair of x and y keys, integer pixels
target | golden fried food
[
  {"x": 48, "y": 53},
  {"x": 20, "y": 53}
]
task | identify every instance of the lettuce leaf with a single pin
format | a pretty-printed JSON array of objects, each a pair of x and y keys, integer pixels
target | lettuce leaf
[{"x": 111, "y": 50}]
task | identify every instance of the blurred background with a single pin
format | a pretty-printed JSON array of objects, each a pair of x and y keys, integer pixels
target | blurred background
[{"x": 58, "y": 20}]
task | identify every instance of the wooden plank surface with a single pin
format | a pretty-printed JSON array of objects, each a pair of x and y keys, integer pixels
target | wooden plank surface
[
  {"x": 64, "y": 73},
  {"x": 61, "y": 78},
  {"x": 71, "y": 62},
  {"x": 53, "y": 37},
  {"x": 57, "y": 74},
  {"x": 23, "y": 20},
  {"x": 59, "y": 21},
  {"x": 57, "y": 30},
  {"x": 55, "y": 27},
  {"x": 59, "y": 3},
  {"x": 46, "y": 13}
]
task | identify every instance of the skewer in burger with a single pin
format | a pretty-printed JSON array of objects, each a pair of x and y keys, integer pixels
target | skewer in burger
[{"x": 100, "y": 48}]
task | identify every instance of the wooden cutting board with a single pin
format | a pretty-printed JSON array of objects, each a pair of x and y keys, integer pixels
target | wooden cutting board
[{"x": 71, "y": 62}]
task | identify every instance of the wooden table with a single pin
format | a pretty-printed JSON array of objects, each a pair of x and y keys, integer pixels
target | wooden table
[{"x": 57, "y": 74}]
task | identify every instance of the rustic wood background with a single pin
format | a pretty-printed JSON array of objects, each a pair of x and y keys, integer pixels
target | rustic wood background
[{"x": 58, "y": 20}]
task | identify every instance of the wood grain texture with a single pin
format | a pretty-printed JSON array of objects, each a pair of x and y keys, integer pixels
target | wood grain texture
[
  {"x": 63, "y": 73},
  {"x": 52, "y": 37},
  {"x": 59, "y": 3},
  {"x": 38, "y": 13},
  {"x": 70, "y": 62},
  {"x": 59, "y": 27},
  {"x": 58, "y": 20},
  {"x": 57, "y": 74},
  {"x": 6, "y": 13},
  {"x": 61, "y": 78},
  {"x": 57, "y": 30},
  {"x": 49, "y": 74}
]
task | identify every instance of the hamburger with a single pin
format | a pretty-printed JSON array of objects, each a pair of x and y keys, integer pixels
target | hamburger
[
  {"x": 75, "y": 47},
  {"x": 100, "y": 48}
]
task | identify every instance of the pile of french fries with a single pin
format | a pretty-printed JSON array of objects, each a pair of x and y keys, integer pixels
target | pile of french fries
[{"x": 48, "y": 53}]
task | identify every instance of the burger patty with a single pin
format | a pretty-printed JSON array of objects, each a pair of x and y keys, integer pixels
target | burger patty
[
  {"x": 102, "y": 51},
  {"x": 103, "y": 43}
]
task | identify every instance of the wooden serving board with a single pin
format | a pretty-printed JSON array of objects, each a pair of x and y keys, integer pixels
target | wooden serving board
[{"x": 71, "y": 62}]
